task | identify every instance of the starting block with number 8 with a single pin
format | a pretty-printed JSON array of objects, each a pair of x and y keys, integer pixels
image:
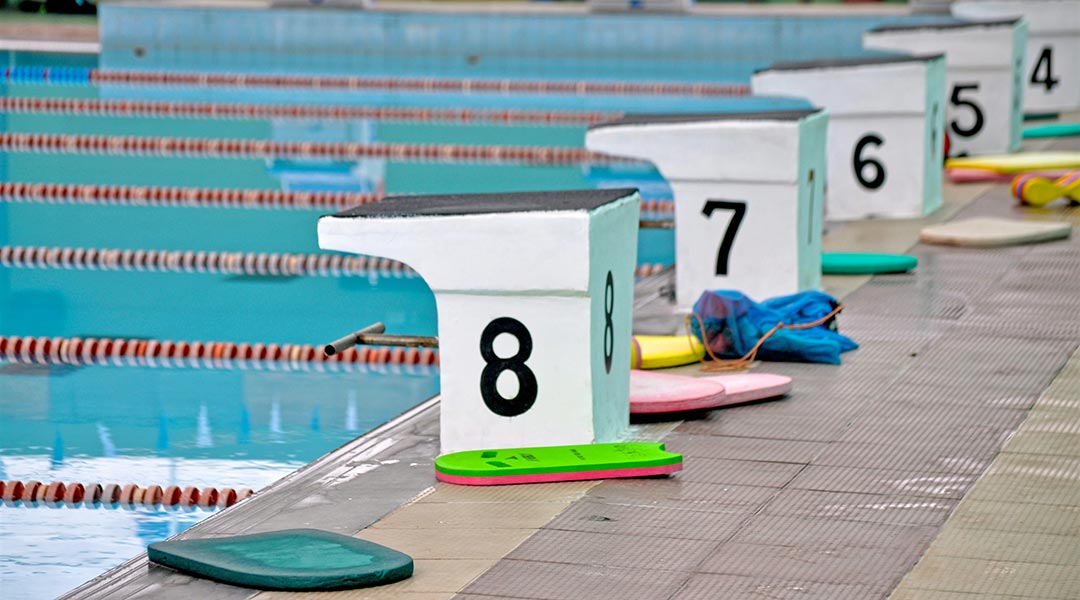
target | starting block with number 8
[
  {"x": 886, "y": 120},
  {"x": 984, "y": 63},
  {"x": 748, "y": 195},
  {"x": 534, "y": 293}
]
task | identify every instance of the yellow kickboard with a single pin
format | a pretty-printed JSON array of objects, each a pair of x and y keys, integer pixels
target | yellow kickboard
[
  {"x": 663, "y": 351},
  {"x": 1017, "y": 163}
]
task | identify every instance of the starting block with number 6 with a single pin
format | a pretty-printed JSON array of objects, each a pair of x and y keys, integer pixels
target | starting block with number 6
[
  {"x": 534, "y": 293},
  {"x": 984, "y": 69},
  {"x": 1052, "y": 72},
  {"x": 748, "y": 195},
  {"x": 885, "y": 140}
]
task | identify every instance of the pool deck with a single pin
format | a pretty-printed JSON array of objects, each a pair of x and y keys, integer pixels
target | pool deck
[{"x": 941, "y": 460}]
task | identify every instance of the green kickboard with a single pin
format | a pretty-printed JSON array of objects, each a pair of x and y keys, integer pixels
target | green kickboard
[
  {"x": 1052, "y": 131},
  {"x": 291, "y": 559},
  {"x": 854, "y": 263},
  {"x": 555, "y": 459}
]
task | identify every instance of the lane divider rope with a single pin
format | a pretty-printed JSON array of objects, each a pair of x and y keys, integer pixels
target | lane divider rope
[
  {"x": 268, "y": 149},
  {"x": 121, "y": 352},
  {"x": 188, "y": 261},
  {"x": 84, "y": 76},
  {"x": 216, "y": 110},
  {"x": 268, "y": 264},
  {"x": 90, "y": 495},
  {"x": 58, "y": 193}
]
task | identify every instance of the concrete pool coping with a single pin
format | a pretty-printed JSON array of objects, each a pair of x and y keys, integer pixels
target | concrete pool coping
[{"x": 484, "y": 542}]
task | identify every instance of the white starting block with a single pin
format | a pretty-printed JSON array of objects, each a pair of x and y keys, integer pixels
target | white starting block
[
  {"x": 748, "y": 195},
  {"x": 984, "y": 70},
  {"x": 885, "y": 140},
  {"x": 1052, "y": 73},
  {"x": 534, "y": 294}
]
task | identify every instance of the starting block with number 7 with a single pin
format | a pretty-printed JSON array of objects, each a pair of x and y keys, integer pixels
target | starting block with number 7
[
  {"x": 886, "y": 139},
  {"x": 534, "y": 293},
  {"x": 748, "y": 195}
]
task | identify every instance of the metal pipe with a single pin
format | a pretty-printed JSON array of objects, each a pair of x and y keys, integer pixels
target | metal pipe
[
  {"x": 348, "y": 341},
  {"x": 410, "y": 341}
]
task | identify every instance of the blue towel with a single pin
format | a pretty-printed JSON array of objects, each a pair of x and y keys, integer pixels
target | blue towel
[{"x": 734, "y": 323}]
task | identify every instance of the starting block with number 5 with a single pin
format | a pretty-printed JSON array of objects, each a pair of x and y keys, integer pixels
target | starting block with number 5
[
  {"x": 534, "y": 293},
  {"x": 984, "y": 69},
  {"x": 885, "y": 141},
  {"x": 748, "y": 195}
]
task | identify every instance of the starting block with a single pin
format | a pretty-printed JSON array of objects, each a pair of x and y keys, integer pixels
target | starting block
[
  {"x": 1052, "y": 73},
  {"x": 885, "y": 140},
  {"x": 534, "y": 293},
  {"x": 984, "y": 69},
  {"x": 748, "y": 195}
]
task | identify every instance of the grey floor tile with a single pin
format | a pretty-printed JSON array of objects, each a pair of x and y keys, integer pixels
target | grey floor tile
[
  {"x": 739, "y": 472},
  {"x": 773, "y": 530},
  {"x": 869, "y": 508},
  {"x": 675, "y": 493},
  {"x": 881, "y": 481},
  {"x": 744, "y": 448},
  {"x": 731, "y": 587},
  {"x": 819, "y": 564},
  {"x": 657, "y": 521},
  {"x": 627, "y": 551},
  {"x": 551, "y": 581}
]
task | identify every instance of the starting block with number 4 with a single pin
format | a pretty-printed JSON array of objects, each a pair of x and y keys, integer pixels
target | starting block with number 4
[
  {"x": 886, "y": 139},
  {"x": 748, "y": 195},
  {"x": 534, "y": 293}
]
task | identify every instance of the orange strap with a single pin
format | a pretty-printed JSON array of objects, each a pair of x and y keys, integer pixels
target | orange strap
[{"x": 742, "y": 363}]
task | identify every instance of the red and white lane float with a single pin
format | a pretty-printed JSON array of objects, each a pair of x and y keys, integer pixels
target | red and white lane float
[
  {"x": 267, "y": 149},
  {"x": 180, "y": 261},
  {"x": 36, "y": 493},
  {"x": 125, "y": 195},
  {"x": 120, "y": 352},
  {"x": 263, "y": 264},
  {"x": 412, "y": 84},
  {"x": 215, "y": 110}
]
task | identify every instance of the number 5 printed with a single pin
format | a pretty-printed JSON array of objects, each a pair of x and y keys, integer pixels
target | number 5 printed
[{"x": 738, "y": 210}]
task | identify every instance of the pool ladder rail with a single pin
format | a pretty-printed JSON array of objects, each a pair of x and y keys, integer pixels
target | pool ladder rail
[{"x": 375, "y": 335}]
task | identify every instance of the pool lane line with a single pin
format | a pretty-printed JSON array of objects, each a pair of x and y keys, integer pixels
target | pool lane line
[
  {"x": 79, "y": 75},
  {"x": 214, "y": 110},
  {"x": 122, "y": 195},
  {"x": 271, "y": 264},
  {"x": 120, "y": 352},
  {"x": 263, "y": 264},
  {"x": 92, "y": 495},
  {"x": 267, "y": 149}
]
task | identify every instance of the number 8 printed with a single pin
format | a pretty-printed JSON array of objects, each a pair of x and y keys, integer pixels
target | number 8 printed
[
  {"x": 609, "y": 326},
  {"x": 527, "y": 387}
]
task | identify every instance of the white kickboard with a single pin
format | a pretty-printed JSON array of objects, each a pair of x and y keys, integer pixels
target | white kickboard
[{"x": 990, "y": 232}]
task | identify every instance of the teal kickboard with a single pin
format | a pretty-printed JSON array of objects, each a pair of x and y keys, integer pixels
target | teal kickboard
[
  {"x": 1054, "y": 130},
  {"x": 291, "y": 559},
  {"x": 855, "y": 263}
]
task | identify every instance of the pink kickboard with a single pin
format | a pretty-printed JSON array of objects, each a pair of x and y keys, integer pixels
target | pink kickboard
[
  {"x": 553, "y": 477},
  {"x": 748, "y": 387},
  {"x": 652, "y": 393}
]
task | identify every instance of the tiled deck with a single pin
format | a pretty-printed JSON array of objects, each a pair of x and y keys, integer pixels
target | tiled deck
[{"x": 941, "y": 460}]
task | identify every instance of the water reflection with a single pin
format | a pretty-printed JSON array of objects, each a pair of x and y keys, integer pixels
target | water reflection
[{"x": 162, "y": 427}]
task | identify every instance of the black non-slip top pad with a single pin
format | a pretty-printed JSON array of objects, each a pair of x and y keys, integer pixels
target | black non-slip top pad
[
  {"x": 478, "y": 204},
  {"x": 759, "y": 115}
]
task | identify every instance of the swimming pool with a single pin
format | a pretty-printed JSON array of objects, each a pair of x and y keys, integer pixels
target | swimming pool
[{"x": 93, "y": 162}]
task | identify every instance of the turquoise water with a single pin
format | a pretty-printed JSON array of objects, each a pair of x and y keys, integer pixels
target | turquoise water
[{"x": 205, "y": 427}]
